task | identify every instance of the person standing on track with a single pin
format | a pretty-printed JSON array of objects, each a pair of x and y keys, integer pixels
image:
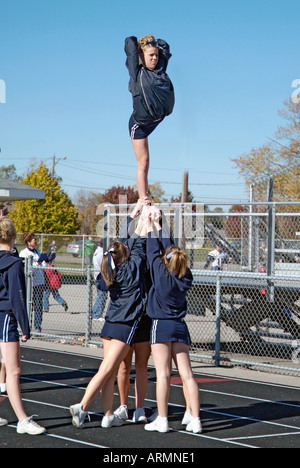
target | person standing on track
[
  {"x": 167, "y": 306},
  {"x": 153, "y": 97},
  {"x": 13, "y": 312},
  {"x": 122, "y": 275}
]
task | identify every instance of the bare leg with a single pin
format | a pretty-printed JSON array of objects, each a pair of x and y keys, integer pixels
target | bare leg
[
  {"x": 124, "y": 378},
  {"x": 11, "y": 356},
  {"x": 162, "y": 355},
  {"x": 181, "y": 351},
  {"x": 141, "y": 150},
  {"x": 142, "y": 354},
  {"x": 116, "y": 353}
]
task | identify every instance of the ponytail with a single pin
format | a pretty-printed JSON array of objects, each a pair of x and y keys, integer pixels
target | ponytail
[
  {"x": 175, "y": 260},
  {"x": 113, "y": 257}
]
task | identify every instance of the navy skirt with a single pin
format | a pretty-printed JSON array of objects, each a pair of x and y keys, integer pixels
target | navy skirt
[{"x": 169, "y": 330}]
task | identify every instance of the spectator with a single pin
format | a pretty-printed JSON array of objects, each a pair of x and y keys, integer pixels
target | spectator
[
  {"x": 88, "y": 250},
  {"x": 53, "y": 282},
  {"x": 29, "y": 239},
  {"x": 216, "y": 258}
]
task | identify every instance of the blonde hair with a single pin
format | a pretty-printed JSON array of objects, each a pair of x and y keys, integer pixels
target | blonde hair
[
  {"x": 144, "y": 42},
  {"x": 177, "y": 262},
  {"x": 7, "y": 230},
  {"x": 119, "y": 255}
]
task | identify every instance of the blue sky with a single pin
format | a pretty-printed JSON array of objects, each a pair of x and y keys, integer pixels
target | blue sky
[{"x": 63, "y": 62}]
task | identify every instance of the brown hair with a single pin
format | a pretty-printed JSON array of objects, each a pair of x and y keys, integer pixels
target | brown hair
[
  {"x": 119, "y": 255},
  {"x": 27, "y": 237},
  {"x": 177, "y": 263},
  {"x": 7, "y": 230}
]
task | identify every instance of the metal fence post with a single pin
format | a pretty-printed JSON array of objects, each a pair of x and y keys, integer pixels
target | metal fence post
[
  {"x": 89, "y": 297},
  {"x": 218, "y": 321},
  {"x": 28, "y": 279}
]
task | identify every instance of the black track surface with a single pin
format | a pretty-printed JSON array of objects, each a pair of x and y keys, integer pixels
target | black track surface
[{"x": 235, "y": 413}]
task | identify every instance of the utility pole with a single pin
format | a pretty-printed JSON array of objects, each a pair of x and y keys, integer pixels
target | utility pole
[
  {"x": 185, "y": 187},
  {"x": 54, "y": 163}
]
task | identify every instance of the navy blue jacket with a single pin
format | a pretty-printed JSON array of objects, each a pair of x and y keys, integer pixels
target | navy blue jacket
[
  {"x": 167, "y": 296},
  {"x": 12, "y": 289},
  {"x": 152, "y": 90},
  {"x": 127, "y": 293}
]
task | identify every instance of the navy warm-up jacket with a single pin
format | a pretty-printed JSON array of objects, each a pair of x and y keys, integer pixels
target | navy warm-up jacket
[
  {"x": 12, "y": 289},
  {"x": 167, "y": 296},
  {"x": 152, "y": 90}
]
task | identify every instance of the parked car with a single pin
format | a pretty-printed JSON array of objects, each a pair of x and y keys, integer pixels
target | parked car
[{"x": 74, "y": 248}]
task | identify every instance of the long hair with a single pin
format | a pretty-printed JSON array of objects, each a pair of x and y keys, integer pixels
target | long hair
[
  {"x": 116, "y": 252},
  {"x": 175, "y": 260}
]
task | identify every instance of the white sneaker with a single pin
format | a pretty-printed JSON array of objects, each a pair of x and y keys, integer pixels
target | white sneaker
[
  {"x": 159, "y": 424},
  {"x": 194, "y": 426},
  {"x": 29, "y": 426},
  {"x": 78, "y": 415},
  {"x": 139, "y": 415},
  {"x": 110, "y": 421},
  {"x": 186, "y": 418},
  {"x": 3, "y": 422},
  {"x": 122, "y": 412}
]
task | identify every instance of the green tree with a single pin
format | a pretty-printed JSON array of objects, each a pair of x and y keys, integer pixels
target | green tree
[{"x": 54, "y": 215}]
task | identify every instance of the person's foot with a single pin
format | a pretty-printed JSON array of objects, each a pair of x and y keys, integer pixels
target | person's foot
[
  {"x": 139, "y": 415},
  {"x": 159, "y": 424},
  {"x": 122, "y": 412},
  {"x": 186, "y": 418},
  {"x": 194, "y": 426},
  {"x": 29, "y": 426},
  {"x": 110, "y": 421},
  {"x": 65, "y": 306},
  {"x": 3, "y": 422},
  {"x": 78, "y": 415}
]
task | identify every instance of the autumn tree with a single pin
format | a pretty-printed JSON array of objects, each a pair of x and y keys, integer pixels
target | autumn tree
[
  {"x": 279, "y": 159},
  {"x": 113, "y": 195},
  {"x": 235, "y": 227},
  {"x": 86, "y": 203},
  {"x": 54, "y": 215}
]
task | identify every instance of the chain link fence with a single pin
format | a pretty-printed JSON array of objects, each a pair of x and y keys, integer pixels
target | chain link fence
[{"x": 244, "y": 306}]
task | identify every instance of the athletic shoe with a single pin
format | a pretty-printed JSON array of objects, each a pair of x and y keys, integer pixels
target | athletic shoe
[
  {"x": 110, "y": 421},
  {"x": 29, "y": 426},
  {"x": 122, "y": 412},
  {"x": 65, "y": 306},
  {"x": 186, "y": 418},
  {"x": 139, "y": 415},
  {"x": 3, "y": 422},
  {"x": 160, "y": 425},
  {"x": 194, "y": 426},
  {"x": 78, "y": 415}
]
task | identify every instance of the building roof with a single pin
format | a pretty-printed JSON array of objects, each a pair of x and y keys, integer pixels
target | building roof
[{"x": 11, "y": 190}]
